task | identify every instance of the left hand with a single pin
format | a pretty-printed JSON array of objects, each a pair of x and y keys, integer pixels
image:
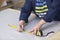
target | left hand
[{"x": 35, "y": 29}]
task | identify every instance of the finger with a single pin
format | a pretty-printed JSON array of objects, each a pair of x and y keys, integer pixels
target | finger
[
  {"x": 34, "y": 32},
  {"x": 20, "y": 28}
]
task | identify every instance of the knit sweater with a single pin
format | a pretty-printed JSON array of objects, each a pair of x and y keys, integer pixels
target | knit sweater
[{"x": 41, "y": 8}]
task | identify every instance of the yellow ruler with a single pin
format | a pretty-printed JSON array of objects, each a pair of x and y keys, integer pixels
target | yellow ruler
[{"x": 14, "y": 26}]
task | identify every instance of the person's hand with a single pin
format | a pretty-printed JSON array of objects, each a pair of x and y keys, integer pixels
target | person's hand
[
  {"x": 21, "y": 26},
  {"x": 37, "y": 27}
]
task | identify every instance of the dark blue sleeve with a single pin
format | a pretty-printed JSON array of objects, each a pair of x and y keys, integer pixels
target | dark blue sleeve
[
  {"x": 26, "y": 10},
  {"x": 53, "y": 7}
]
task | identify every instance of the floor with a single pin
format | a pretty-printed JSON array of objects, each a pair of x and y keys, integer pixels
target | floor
[{"x": 11, "y": 16}]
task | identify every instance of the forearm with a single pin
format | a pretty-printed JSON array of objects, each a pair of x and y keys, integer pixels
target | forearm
[
  {"x": 40, "y": 23},
  {"x": 26, "y": 11},
  {"x": 22, "y": 21},
  {"x": 53, "y": 9}
]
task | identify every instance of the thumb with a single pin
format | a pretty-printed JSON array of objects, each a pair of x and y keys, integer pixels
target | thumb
[{"x": 22, "y": 27}]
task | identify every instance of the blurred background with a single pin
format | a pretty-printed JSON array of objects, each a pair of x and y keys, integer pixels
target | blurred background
[{"x": 14, "y": 4}]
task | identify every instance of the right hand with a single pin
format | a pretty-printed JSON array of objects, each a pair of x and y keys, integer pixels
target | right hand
[{"x": 21, "y": 26}]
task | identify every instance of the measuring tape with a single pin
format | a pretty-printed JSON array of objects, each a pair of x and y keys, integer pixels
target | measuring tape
[{"x": 38, "y": 33}]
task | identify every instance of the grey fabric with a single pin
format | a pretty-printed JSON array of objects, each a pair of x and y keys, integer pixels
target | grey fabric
[{"x": 10, "y": 16}]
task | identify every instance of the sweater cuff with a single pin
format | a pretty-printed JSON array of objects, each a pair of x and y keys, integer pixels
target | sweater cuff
[
  {"x": 47, "y": 19},
  {"x": 26, "y": 21}
]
